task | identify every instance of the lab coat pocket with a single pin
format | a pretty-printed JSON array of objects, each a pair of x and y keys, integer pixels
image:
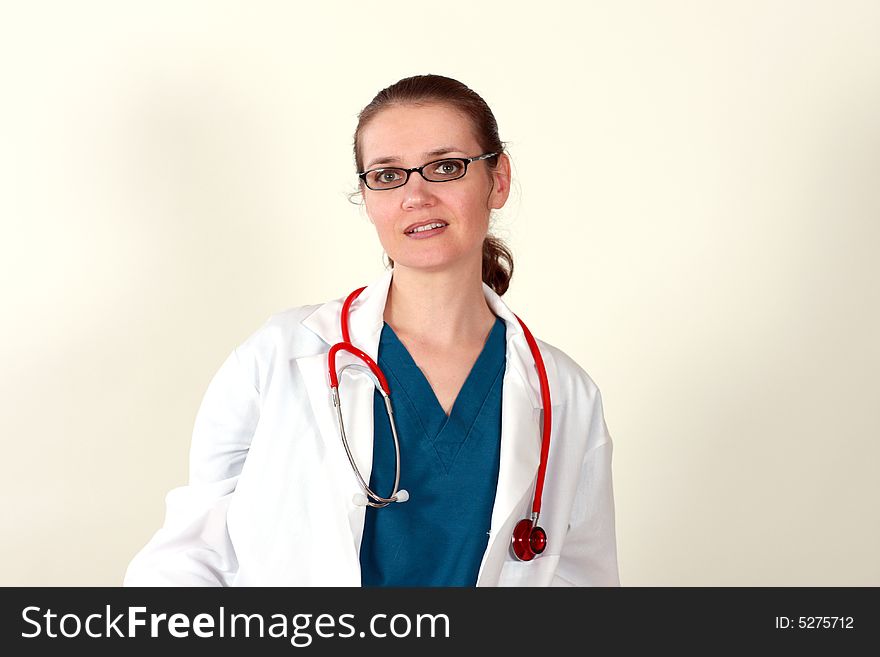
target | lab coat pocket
[{"x": 537, "y": 572}]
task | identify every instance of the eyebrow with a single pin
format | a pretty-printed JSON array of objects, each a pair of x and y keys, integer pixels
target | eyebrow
[{"x": 396, "y": 158}]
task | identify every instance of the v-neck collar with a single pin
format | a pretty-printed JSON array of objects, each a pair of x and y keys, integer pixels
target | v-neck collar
[{"x": 447, "y": 432}]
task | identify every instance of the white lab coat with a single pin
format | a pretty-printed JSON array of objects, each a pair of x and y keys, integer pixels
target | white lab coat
[{"x": 270, "y": 494}]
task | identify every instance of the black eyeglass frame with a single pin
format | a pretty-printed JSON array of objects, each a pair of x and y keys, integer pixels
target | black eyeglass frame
[{"x": 467, "y": 160}]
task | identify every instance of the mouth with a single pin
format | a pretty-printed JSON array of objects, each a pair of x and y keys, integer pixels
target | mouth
[{"x": 425, "y": 227}]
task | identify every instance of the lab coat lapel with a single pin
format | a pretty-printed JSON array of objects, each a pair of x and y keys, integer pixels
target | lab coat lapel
[
  {"x": 356, "y": 392},
  {"x": 520, "y": 443}
]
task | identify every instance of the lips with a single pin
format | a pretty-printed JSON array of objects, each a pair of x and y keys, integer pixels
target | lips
[{"x": 412, "y": 227}]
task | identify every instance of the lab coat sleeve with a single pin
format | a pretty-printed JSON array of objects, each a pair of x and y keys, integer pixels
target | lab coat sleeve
[
  {"x": 193, "y": 547},
  {"x": 589, "y": 554}
]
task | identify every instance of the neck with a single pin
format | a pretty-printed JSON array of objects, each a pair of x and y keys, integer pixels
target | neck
[{"x": 442, "y": 309}]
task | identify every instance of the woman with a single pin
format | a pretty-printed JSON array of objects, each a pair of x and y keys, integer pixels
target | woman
[{"x": 274, "y": 496}]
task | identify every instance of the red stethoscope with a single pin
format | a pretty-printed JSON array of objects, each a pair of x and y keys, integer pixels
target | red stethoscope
[{"x": 529, "y": 540}]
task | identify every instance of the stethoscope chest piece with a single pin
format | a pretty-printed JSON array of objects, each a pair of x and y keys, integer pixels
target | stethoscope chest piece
[{"x": 528, "y": 540}]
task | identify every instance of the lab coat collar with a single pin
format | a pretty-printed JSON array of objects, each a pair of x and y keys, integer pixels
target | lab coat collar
[
  {"x": 366, "y": 319},
  {"x": 520, "y": 420}
]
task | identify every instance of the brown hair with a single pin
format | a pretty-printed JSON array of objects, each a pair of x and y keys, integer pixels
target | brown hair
[{"x": 437, "y": 89}]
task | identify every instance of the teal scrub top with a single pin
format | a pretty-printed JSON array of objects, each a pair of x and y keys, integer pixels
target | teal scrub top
[{"x": 449, "y": 465}]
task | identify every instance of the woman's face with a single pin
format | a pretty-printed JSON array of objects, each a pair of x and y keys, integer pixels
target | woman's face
[{"x": 409, "y": 134}]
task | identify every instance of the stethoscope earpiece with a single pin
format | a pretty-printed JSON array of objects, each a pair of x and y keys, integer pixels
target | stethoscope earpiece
[{"x": 360, "y": 499}]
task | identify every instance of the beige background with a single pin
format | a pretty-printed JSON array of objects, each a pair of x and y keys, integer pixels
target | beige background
[{"x": 694, "y": 220}]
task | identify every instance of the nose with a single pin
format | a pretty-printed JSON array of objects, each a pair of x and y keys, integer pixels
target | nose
[{"x": 417, "y": 192}]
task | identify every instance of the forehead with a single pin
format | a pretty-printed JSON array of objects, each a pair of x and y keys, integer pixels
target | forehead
[{"x": 408, "y": 132}]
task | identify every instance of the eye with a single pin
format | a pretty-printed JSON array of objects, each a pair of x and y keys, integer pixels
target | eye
[
  {"x": 381, "y": 177},
  {"x": 447, "y": 168}
]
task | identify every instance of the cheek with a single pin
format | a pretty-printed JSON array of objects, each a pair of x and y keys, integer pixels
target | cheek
[
  {"x": 379, "y": 206},
  {"x": 477, "y": 210},
  {"x": 378, "y": 217},
  {"x": 384, "y": 229}
]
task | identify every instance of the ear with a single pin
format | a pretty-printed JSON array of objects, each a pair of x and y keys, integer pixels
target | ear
[{"x": 500, "y": 183}]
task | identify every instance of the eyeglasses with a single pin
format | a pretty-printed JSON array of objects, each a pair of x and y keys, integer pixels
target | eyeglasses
[{"x": 451, "y": 168}]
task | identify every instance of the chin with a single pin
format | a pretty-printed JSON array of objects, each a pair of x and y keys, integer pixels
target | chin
[
  {"x": 426, "y": 261},
  {"x": 434, "y": 259}
]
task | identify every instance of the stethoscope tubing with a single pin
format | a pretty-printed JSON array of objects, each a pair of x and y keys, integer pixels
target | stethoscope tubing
[
  {"x": 373, "y": 498},
  {"x": 529, "y": 540},
  {"x": 545, "y": 403}
]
